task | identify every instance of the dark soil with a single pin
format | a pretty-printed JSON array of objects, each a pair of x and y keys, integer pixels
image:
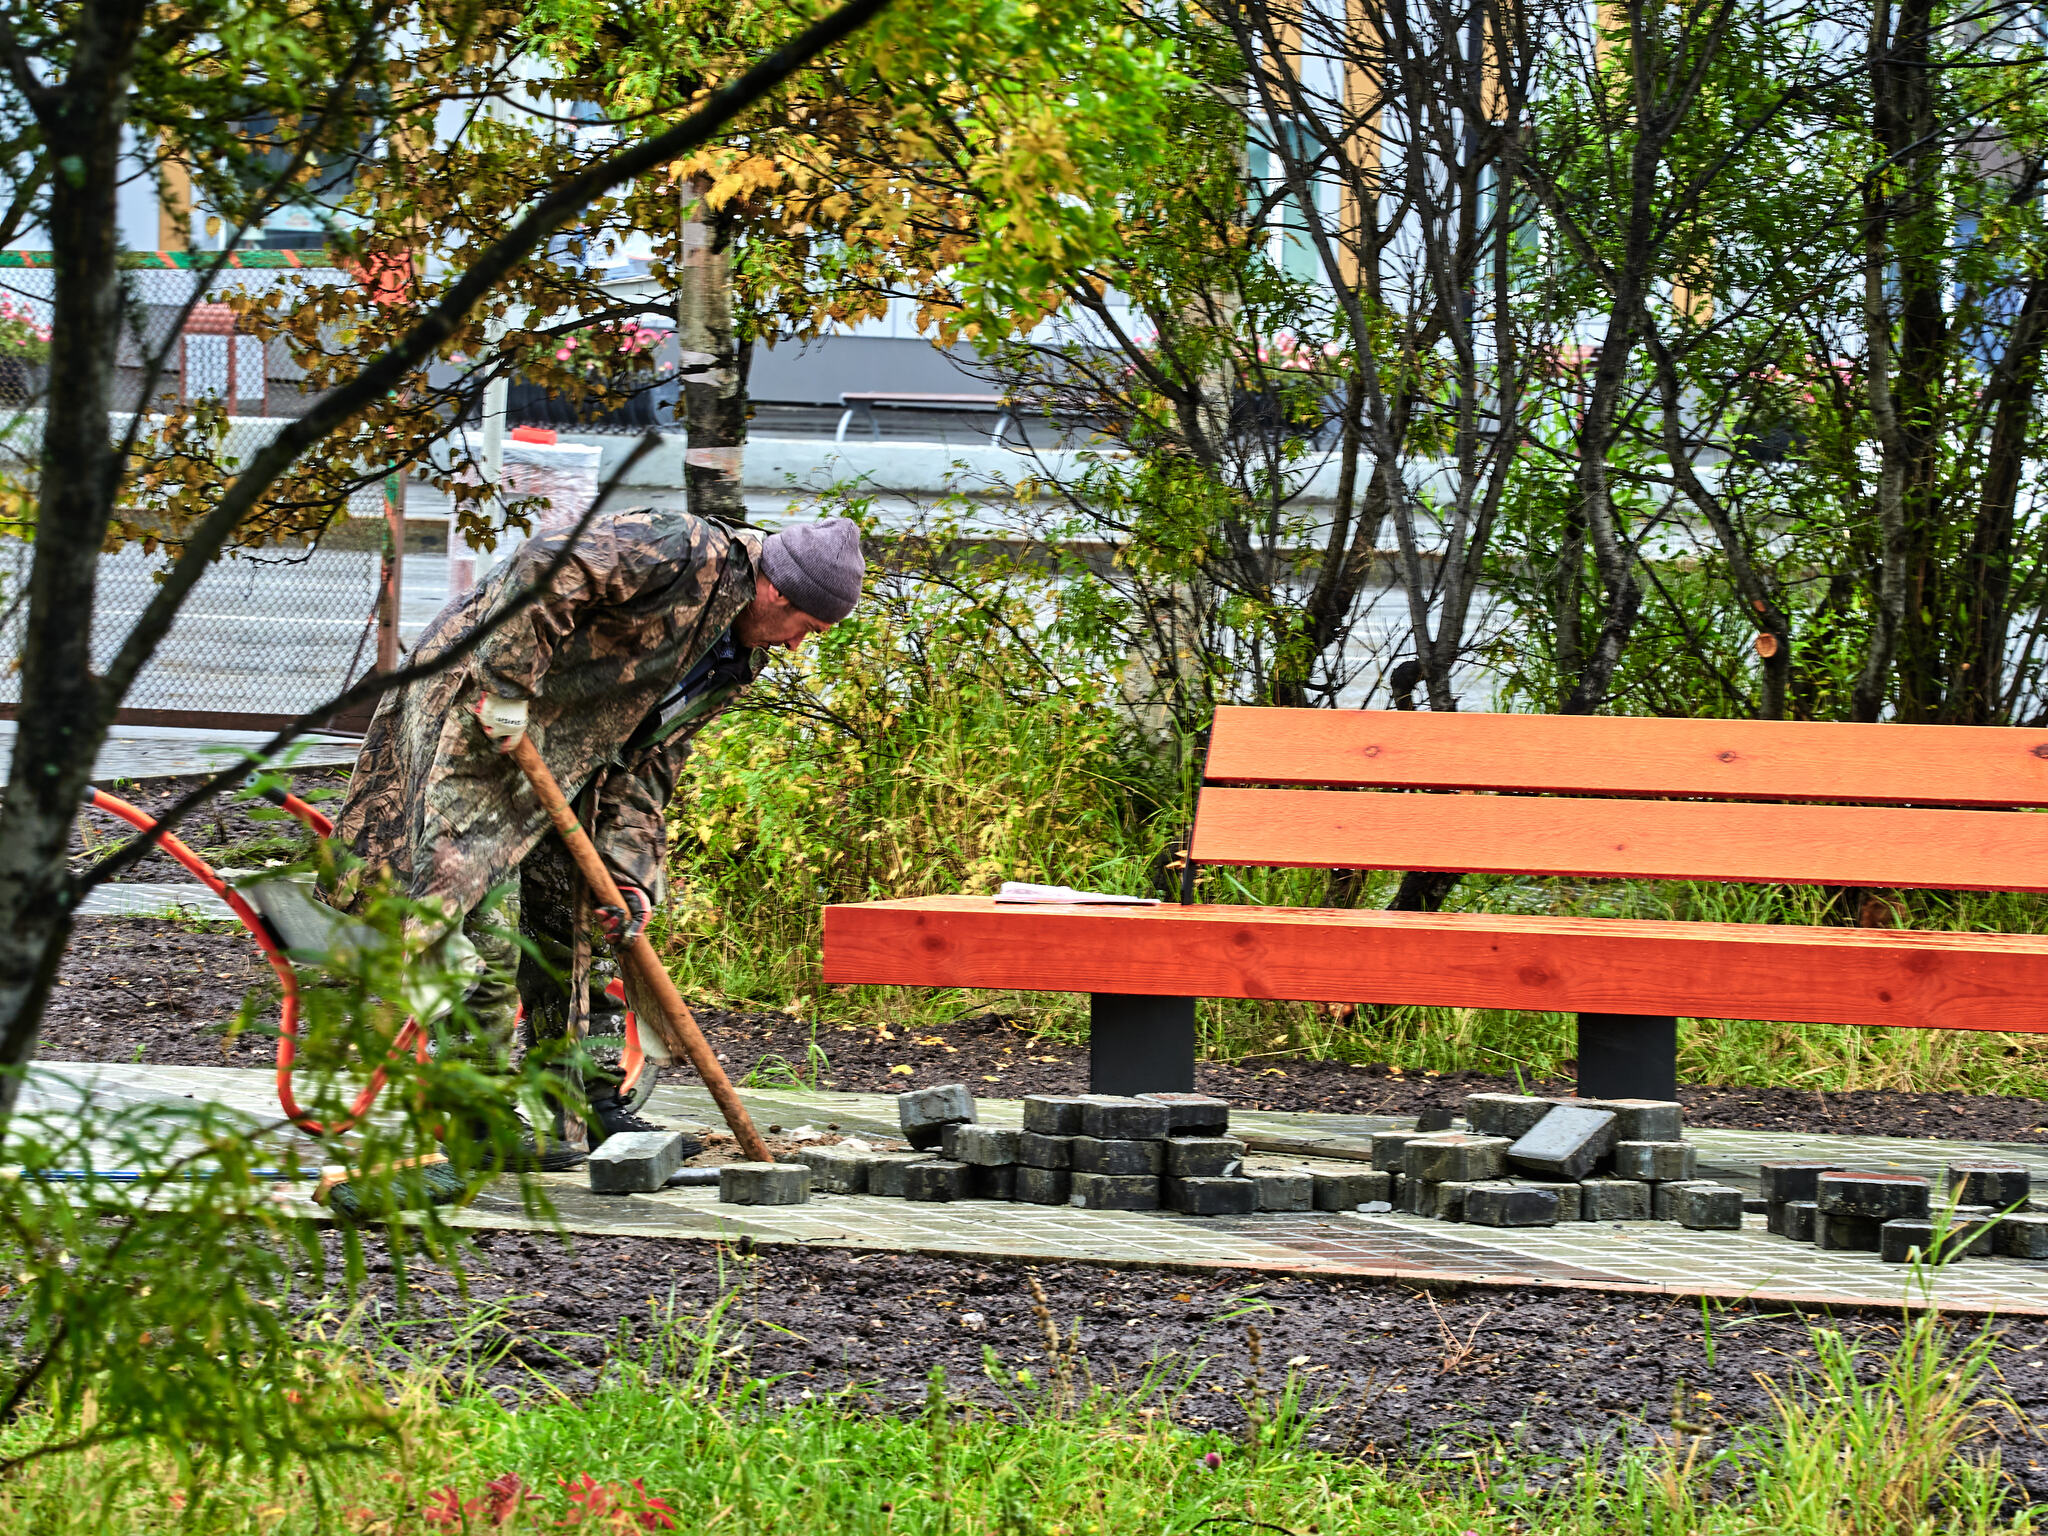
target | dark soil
[
  {"x": 143, "y": 989},
  {"x": 229, "y": 832},
  {"x": 1400, "y": 1372}
]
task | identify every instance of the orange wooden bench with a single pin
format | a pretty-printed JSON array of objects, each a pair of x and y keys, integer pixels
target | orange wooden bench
[{"x": 1727, "y": 800}]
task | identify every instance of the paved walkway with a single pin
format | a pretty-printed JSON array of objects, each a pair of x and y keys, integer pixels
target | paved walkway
[{"x": 1655, "y": 1258}]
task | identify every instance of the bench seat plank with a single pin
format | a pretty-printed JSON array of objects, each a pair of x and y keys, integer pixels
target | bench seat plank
[
  {"x": 1620, "y": 755},
  {"x": 1868, "y": 845},
  {"x": 1460, "y": 960}
]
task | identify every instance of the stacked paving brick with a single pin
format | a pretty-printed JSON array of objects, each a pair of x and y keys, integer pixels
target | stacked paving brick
[
  {"x": 1986, "y": 1209},
  {"x": 1530, "y": 1162}
]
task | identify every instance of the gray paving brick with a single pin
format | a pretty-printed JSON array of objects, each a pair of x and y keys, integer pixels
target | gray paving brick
[
  {"x": 1973, "y": 1229},
  {"x": 1348, "y": 1189},
  {"x": 1797, "y": 1219},
  {"x": 836, "y": 1170},
  {"x": 1903, "y": 1242},
  {"x": 1192, "y": 1114},
  {"x": 1614, "y": 1200},
  {"x": 1204, "y": 1157},
  {"x": 1115, "y": 1192},
  {"x": 1512, "y": 1115},
  {"x": 1879, "y": 1196},
  {"x": 1108, "y": 1117},
  {"x": 1200, "y": 1196},
  {"x": 1568, "y": 1143},
  {"x": 994, "y": 1183},
  {"x": 1094, "y": 1154},
  {"x": 1389, "y": 1149},
  {"x": 1053, "y": 1114},
  {"x": 1445, "y": 1199},
  {"x": 1045, "y": 1151},
  {"x": 1983, "y": 1182},
  {"x": 1838, "y": 1233},
  {"x": 1640, "y": 1119},
  {"x": 635, "y": 1162},
  {"x": 889, "y": 1173},
  {"x": 764, "y": 1184},
  {"x": 985, "y": 1146},
  {"x": 2024, "y": 1236},
  {"x": 924, "y": 1113},
  {"x": 1657, "y": 1161},
  {"x": 1792, "y": 1178},
  {"x": 1567, "y": 1196},
  {"x": 1702, "y": 1207},
  {"x": 1043, "y": 1186},
  {"x": 1495, "y": 1204},
  {"x": 1284, "y": 1189},
  {"x": 1664, "y": 1198},
  {"x": 938, "y": 1179},
  {"x": 1452, "y": 1155}
]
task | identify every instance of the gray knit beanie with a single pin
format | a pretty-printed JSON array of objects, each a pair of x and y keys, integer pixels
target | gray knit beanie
[{"x": 817, "y": 566}]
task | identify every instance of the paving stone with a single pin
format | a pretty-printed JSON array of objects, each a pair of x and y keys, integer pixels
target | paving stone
[
  {"x": 1901, "y": 1242},
  {"x": 889, "y": 1173},
  {"x": 924, "y": 1113},
  {"x": 1445, "y": 1200},
  {"x": 1192, "y": 1114},
  {"x": 1284, "y": 1189},
  {"x": 1204, "y": 1157},
  {"x": 1201, "y": 1196},
  {"x": 1881, "y": 1197},
  {"x": 1389, "y": 1148},
  {"x": 1037, "y": 1150},
  {"x": 985, "y": 1146},
  {"x": 1513, "y": 1115},
  {"x": 1499, "y": 1204},
  {"x": 1434, "y": 1119},
  {"x": 1053, "y": 1114},
  {"x": 1614, "y": 1200},
  {"x": 836, "y": 1170},
  {"x": 2023, "y": 1236},
  {"x": 1664, "y": 1198},
  {"x": 1452, "y": 1155},
  {"x": 635, "y": 1162},
  {"x": 1792, "y": 1179},
  {"x": 1349, "y": 1189},
  {"x": 1639, "y": 1119},
  {"x": 1657, "y": 1161},
  {"x": 1797, "y": 1219},
  {"x": 938, "y": 1179},
  {"x": 1115, "y": 1192},
  {"x": 1836, "y": 1233},
  {"x": 1702, "y": 1207},
  {"x": 2000, "y": 1185},
  {"x": 1974, "y": 1229},
  {"x": 997, "y": 1182},
  {"x": 1095, "y": 1155},
  {"x": 1108, "y": 1117},
  {"x": 1043, "y": 1186},
  {"x": 1567, "y": 1196},
  {"x": 1568, "y": 1143},
  {"x": 764, "y": 1184}
]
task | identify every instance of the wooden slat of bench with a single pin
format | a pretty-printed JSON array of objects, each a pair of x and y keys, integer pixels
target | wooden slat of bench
[
  {"x": 1613, "y": 755},
  {"x": 1574, "y": 965},
  {"x": 1638, "y": 839}
]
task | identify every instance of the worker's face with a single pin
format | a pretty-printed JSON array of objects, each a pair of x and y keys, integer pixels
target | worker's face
[{"x": 772, "y": 619}]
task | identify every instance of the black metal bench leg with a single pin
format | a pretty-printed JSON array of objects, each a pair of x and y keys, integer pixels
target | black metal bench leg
[
  {"x": 1141, "y": 1044},
  {"x": 1628, "y": 1056}
]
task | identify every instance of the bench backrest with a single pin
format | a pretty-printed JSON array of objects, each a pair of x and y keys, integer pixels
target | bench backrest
[{"x": 1736, "y": 800}]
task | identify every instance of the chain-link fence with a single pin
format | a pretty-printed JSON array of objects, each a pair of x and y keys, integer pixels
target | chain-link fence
[{"x": 261, "y": 636}]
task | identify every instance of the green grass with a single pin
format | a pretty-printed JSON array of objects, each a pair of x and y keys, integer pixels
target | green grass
[{"x": 682, "y": 1437}]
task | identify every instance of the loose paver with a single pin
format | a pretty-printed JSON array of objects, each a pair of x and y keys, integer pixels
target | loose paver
[{"x": 1645, "y": 1256}]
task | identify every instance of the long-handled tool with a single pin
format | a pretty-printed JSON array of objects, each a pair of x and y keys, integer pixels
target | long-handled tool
[{"x": 673, "y": 1020}]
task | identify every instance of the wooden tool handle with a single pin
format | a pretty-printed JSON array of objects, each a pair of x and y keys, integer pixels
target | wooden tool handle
[{"x": 676, "y": 1024}]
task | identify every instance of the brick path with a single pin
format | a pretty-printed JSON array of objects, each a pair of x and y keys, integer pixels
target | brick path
[{"x": 1637, "y": 1256}]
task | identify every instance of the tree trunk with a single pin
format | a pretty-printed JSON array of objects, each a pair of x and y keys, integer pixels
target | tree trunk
[
  {"x": 64, "y": 711},
  {"x": 714, "y": 366}
]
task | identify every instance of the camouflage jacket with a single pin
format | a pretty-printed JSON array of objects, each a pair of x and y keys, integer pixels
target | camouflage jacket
[{"x": 434, "y": 807}]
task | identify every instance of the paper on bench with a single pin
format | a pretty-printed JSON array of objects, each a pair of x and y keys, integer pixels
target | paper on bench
[{"x": 1022, "y": 893}]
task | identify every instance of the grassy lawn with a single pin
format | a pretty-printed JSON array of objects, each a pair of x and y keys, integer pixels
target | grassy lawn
[{"x": 681, "y": 1437}]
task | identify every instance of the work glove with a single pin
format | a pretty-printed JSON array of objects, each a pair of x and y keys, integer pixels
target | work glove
[
  {"x": 622, "y": 925},
  {"x": 504, "y": 720}
]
